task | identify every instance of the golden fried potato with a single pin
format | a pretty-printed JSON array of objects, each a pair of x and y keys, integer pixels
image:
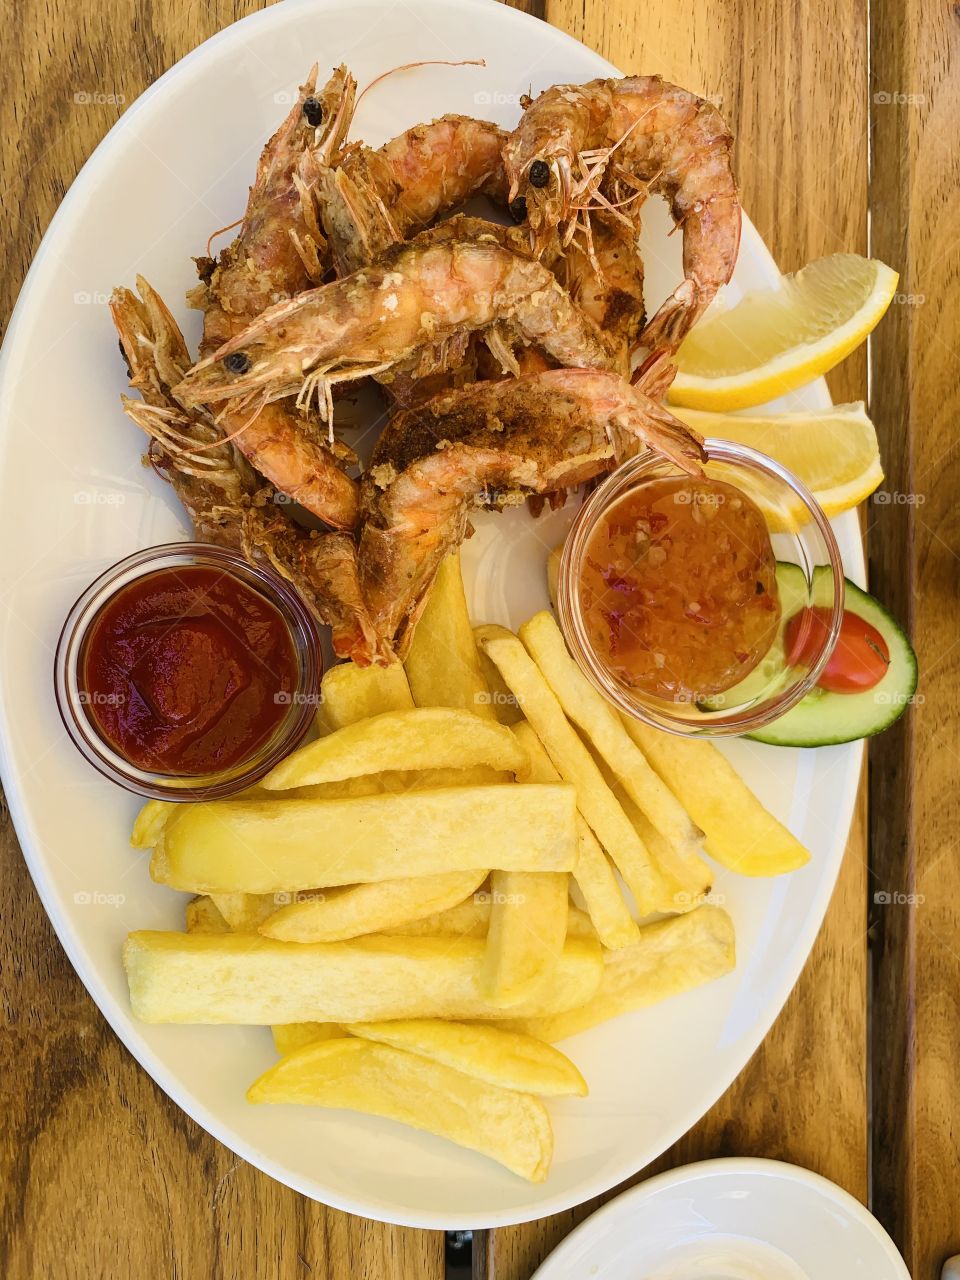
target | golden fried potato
[
  {"x": 506, "y": 1058},
  {"x": 512, "y": 1128},
  {"x": 357, "y": 909},
  {"x": 528, "y": 925},
  {"x": 245, "y": 912},
  {"x": 740, "y": 833},
  {"x": 573, "y": 761},
  {"x": 672, "y": 956},
  {"x": 243, "y": 978},
  {"x": 502, "y": 698},
  {"x": 588, "y": 709},
  {"x": 204, "y": 916},
  {"x": 593, "y": 872},
  {"x": 471, "y": 919},
  {"x": 289, "y": 1036},
  {"x": 150, "y": 821},
  {"x": 420, "y": 738},
  {"x": 350, "y": 693},
  {"x": 442, "y": 667},
  {"x": 274, "y": 846}
]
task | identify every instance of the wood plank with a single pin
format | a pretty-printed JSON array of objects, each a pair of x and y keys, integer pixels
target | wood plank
[
  {"x": 100, "y": 1174},
  {"x": 915, "y": 544},
  {"x": 790, "y": 81}
]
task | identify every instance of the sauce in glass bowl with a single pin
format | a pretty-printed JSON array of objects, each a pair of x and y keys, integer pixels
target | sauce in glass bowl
[{"x": 678, "y": 587}]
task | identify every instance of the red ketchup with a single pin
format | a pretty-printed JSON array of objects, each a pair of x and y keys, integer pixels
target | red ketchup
[{"x": 187, "y": 671}]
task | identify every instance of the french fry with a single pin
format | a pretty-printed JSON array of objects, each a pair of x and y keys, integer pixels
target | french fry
[
  {"x": 671, "y": 956},
  {"x": 528, "y": 925},
  {"x": 420, "y": 738},
  {"x": 203, "y": 916},
  {"x": 369, "y": 908},
  {"x": 573, "y": 761},
  {"x": 150, "y": 821},
  {"x": 740, "y": 833},
  {"x": 593, "y": 873},
  {"x": 486, "y": 1052},
  {"x": 442, "y": 667},
  {"x": 350, "y": 693},
  {"x": 502, "y": 699},
  {"x": 509, "y": 1127},
  {"x": 471, "y": 919},
  {"x": 276, "y": 846},
  {"x": 243, "y": 978},
  {"x": 289, "y": 1036},
  {"x": 245, "y": 912},
  {"x": 586, "y": 707}
]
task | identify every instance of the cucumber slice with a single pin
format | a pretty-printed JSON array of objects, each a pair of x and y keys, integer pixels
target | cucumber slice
[{"x": 825, "y": 719}]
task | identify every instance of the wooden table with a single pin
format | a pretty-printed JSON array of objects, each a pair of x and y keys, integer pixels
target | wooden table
[{"x": 101, "y": 1174}]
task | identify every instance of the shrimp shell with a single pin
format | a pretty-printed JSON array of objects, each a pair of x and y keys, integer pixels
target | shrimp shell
[
  {"x": 457, "y": 277},
  {"x": 491, "y": 444}
]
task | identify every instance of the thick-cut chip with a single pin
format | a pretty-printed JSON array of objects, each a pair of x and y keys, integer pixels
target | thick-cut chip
[
  {"x": 588, "y": 710},
  {"x": 528, "y": 925},
  {"x": 276, "y": 846},
  {"x": 471, "y": 919},
  {"x": 505, "y": 1058},
  {"x": 593, "y": 873},
  {"x": 443, "y": 667},
  {"x": 289, "y": 1036},
  {"x": 512, "y": 1128},
  {"x": 149, "y": 823},
  {"x": 204, "y": 916},
  {"x": 502, "y": 698},
  {"x": 245, "y": 912},
  {"x": 242, "y": 978},
  {"x": 357, "y": 909},
  {"x": 740, "y": 833},
  {"x": 595, "y": 800},
  {"x": 420, "y": 738},
  {"x": 350, "y": 693},
  {"x": 672, "y": 956}
]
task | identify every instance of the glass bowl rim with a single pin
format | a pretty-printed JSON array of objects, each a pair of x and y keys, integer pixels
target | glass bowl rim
[{"x": 611, "y": 490}]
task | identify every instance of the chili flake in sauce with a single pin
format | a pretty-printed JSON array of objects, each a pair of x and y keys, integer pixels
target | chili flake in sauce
[{"x": 678, "y": 587}]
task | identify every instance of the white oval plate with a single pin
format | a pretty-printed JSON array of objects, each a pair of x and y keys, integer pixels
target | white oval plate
[
  {"x": 736, "y": 1219},
  {"x": 74, "y": 498}
]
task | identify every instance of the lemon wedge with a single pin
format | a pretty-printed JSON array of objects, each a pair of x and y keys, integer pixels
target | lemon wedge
[
  {"x": 777, "y": 339},
  {"x": 833, "y": 451}
]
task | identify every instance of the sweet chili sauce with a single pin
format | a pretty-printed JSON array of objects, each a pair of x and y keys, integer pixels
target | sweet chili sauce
[
  {"x": 678, "y": 587},
  {"x": 187, "y": 671}
]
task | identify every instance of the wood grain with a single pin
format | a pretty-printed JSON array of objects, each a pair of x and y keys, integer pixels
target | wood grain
[
  {"x": 790, "y": 80},
  {"x": 915, "y": 545},
  {"x": 99, "y": 1173}
]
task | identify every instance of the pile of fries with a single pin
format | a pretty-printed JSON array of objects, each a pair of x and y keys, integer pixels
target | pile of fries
[{"x": 423, "y": 898}]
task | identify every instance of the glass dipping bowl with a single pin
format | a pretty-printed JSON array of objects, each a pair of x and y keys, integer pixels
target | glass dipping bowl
[
  {"x": 800, "y": 534},
  {"x": 83, "y": 730}
]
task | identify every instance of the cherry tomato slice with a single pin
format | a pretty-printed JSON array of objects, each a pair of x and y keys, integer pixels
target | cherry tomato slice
[{"x": 859, "y": 661}]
